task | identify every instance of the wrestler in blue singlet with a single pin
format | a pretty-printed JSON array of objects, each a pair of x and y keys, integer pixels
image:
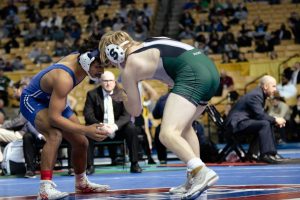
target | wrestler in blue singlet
[{"x": 34, "y": 99}]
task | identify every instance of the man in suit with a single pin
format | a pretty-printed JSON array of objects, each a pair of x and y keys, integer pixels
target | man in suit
[
  {"x": 249, "y": 117},
  {"x": 100, "y": 108},
  {"x": 296, "y": 75}
]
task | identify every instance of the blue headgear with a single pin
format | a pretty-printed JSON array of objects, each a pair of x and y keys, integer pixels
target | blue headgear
[{"x": 86, "y": 59}]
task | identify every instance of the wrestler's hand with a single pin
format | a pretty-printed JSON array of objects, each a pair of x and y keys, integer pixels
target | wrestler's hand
[
  {"x": 119, "y": 93},
  {"x": 95, "y": 132}
]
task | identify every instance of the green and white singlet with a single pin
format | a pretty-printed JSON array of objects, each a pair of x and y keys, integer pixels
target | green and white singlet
[{"x": 193, "y": 75}]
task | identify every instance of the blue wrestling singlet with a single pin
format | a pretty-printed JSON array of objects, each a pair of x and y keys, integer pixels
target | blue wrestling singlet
[{"x": 34, "y": 99}]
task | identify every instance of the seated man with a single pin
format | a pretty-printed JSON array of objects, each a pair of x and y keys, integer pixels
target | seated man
[
  {"x": 20, "y": 128},
  {"x": 31, "y": 140},
  {"x": 248, "y": 116},
  {"x": 278, "y": 108},
  {"x": 295, "y": 121},
  {"x": 100, "y": 108}
]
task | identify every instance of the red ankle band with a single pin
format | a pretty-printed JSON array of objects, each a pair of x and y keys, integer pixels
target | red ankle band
[{"x": 46, "y": 174}]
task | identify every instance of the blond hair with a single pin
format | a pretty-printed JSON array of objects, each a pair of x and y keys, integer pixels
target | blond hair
[{"x": 113, "y": 37}]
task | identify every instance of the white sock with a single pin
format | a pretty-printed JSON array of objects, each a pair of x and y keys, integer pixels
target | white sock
[{"x": 194, "y": 163}]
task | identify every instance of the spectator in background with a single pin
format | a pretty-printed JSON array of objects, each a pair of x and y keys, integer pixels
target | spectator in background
[
  {"x": 279, "y": 108},
  {"x": 55, "y": 20},
  {"x": 48, "y": 3},
  {"x": 140, "y": 123},
  {"x": 157, "y": 114},
  {"x": 244, "y": 38},
  {"x": 68, "y": 4},
  {"x": 189, "y": 5},
  {"x": 106, "y": 21},
  {"x": 282, "y": 33},
  {"x": 90, "y": 6},
  {"x": 92, "y": 21},
  {"x": 9, "y": 8},
  {"x": 294, "y": 24},
  {"x": 147, "y": 10},
  {"x": 33, "y": 13},
  {"x": 143, "y": 20},
  {"x": 286, "y": 89},
  {"x": 140, "y": 33},
  {"x": 60, "y": 49},
  {"x": 295, "y": 121},
  {"x": 202, "y": 26},
  {"x": 75, "y": 31},
  {"x": 260, "y": 28},
  {"x": 248, "y": 117},
  {"x": 17, "y": 63},
  {"x": 230, "y": 46},
  {"x": 46, "y": 28},
  {"x": 214, "y": 42},
  {"x": 68, "y": 20},
  {"x": 239, "y": 14},
  {"x": 2, "y": 63},
  {"x": 44, "y": 57},
  {"x": 225, "y": 58},
  {"x": 186, "y": 33},
  {"x": 241, "y": 57},
  {"x": 4, "y": 84},
  {"x": 273, "y": 55},
  {"x": 133, "y": 11},
  {"x": 57, "y": 34},
  {"x": 35, "y": 34},
  {"x": 261, "y": 46},
  {"x": 8, "y": 67},
  {"x": 35, "y": 52},
  {"x": 226, "y": 84},
  {"x": 11, "y": 43},
  {"x": 186, "y": 20},
  {"x": 115, "y": 119},
  {"x": 118, "y": 24},
  {"x": 296, "y": 75}
]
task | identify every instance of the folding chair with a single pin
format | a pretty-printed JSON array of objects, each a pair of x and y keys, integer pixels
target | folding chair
[{"x": 233, "y": 143}]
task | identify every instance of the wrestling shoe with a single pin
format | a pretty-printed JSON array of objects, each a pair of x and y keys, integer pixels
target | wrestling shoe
[
  {"x": 183, "y": 188},
  {"x": 85, "y": 186},
  {"x": 202, "y": 179},
  {"x": 48, "y": 191}
]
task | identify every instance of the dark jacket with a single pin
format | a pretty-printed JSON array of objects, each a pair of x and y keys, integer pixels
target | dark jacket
[
  {"x": 249, "y": 106},
  {"x": 94, "y": 109}
]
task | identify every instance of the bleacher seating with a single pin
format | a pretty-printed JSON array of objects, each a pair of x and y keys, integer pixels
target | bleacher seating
[{"x": 257, "y": 65}]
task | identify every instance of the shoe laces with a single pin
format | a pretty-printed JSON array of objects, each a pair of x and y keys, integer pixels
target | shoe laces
[
  {"x": 196, "y": 177},
  {"x": 51, "y": 183},
  {"x": 189, "y": 179},
  {"x": 48, "y": 188}
]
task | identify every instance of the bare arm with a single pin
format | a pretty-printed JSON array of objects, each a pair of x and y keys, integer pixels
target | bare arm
[
  {"x": 58, "y": 103},
  {"x": 150, "y": 91},
  {"x": 133, "y": 103},
  {"x": 62, "y": 85}
]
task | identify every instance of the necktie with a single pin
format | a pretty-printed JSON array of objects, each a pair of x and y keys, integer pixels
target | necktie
[{"x": 110, "y": 111}]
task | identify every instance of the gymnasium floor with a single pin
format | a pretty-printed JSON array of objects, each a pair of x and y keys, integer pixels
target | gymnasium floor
[{"x": 245, "y": 181}]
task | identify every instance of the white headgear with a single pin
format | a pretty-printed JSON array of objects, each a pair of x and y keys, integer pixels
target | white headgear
[
  {"x": 115, "y": 53},
  {"x": 86, "y": 59}
]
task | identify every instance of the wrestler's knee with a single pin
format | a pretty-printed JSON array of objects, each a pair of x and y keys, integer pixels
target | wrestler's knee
[
  {"x": 166, "y": 135},
  {"x": 81, "y": 142},
  {"x": 54, "y": 136}
]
